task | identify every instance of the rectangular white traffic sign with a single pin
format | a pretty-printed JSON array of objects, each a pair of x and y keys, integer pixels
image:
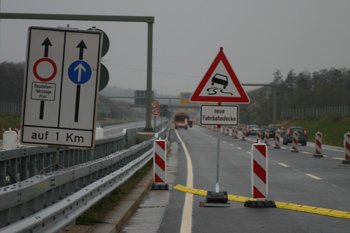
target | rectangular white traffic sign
[
  {"x": 61, "y": 87},
  {"x": 219, "y": 115}
]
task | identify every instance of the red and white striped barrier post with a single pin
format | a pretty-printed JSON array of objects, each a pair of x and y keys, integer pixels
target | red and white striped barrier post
[
  {"x": 260, "y": 177},
  {"x": 159, "y": 165},
  {"x": 235, "y": 136},
  {"x": 243, "y": 134},
  {"x": 347, "y": 148},
  {"x": 278, "y": 139},
  {"x": 318, "y": 145},
  {"x": 266, "y": 137},
  {"x": 16, "y": 129},
  {"x": 258, "y": 135},
  {"x": 259, "y": 170},
  {"x": 3, "y": 130},
  {"x": 295, "y": 142}
]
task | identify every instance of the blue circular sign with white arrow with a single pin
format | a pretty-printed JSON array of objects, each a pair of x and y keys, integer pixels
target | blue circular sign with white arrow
[{"x": 79, "y": 72}]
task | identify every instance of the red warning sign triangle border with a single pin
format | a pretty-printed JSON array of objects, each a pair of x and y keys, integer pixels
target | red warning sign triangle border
[{"x": 244, "y": 99}]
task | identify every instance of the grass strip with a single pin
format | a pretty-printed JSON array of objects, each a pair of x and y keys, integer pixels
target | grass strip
[{"x": 96, "y": 213}]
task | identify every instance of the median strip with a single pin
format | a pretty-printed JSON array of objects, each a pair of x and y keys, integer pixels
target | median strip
[{"x": 281, "y": 205}]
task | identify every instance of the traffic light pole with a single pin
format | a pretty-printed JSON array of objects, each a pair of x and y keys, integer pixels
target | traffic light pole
[{"x": 148, "y": 126}]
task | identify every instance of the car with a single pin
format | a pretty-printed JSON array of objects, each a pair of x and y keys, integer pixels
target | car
[
  {"x": 288, "y": 136},
  {"x": 219, "y": 79},
  {"x": 272, "y": 132},
  {"x": 251, "y": 130}
]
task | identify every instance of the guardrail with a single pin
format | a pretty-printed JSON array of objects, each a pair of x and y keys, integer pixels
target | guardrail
[
  {"x": 24, "y": 162},
  {"x": 48, "y": 202}
]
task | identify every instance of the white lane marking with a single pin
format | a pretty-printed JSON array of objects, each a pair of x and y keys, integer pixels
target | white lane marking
[
  {"x": 304, "y": 152},
  {"x": 284, "y": 165},
  {"x": 231, "y": 144},
  {"x": 315, "y": 177},
  {"x": 337, "y": 158},
  {"x": 239, "y": 148},
  {"x": 249, "y": 152},
  {"x": 186, "y": 223}
]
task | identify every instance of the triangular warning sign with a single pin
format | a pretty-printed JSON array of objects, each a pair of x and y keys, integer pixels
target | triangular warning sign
[{"x": 220, "y": 84}]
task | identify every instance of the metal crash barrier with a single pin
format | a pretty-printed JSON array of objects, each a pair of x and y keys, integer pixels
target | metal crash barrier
[{"x": 55, "y": 199}]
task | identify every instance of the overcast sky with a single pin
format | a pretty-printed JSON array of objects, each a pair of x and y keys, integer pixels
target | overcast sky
[{"x": 258, "y": 37}]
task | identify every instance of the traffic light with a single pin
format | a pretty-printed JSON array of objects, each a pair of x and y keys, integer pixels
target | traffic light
[{"x": 104, "y": 74}]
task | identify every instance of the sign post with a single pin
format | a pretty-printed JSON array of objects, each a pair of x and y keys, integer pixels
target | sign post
[
  {"x": 155, "y": 111},
  {"x": 219, "y": 85},
  {"x": 62, "y": 74}
]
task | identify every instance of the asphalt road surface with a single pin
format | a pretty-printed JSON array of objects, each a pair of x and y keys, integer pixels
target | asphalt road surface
[{"x": 297, "y": 178}]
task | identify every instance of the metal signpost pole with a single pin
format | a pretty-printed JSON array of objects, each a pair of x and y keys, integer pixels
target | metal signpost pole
[
  {"x": 217, "y": 188},
  {"x": 218, "y": 161}
]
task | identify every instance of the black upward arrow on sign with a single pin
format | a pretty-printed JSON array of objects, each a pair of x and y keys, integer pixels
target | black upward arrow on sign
[
  {"x": 81, "y": 46},
  {"x": 46, "y": 43}
]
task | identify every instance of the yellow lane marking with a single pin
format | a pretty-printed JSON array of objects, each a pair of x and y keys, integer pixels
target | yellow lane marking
[{"x": 281, "y": 205}]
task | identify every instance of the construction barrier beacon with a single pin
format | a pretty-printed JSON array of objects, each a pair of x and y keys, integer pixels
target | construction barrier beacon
[
  {"x": 266, "y": 137},
  {"x": 278, "y": 139},
  {"x": 258, "y": 135},
  {"x": 159, "y": 165},
  {"x": 295, "y": 142},
  {"x": 243, "y": 134},
  {"x": 347, "y": 148},
  {"x": 318, "y": 145},
  {"x": 235, "y": 134},
  {"x": 259, "y": 167}
]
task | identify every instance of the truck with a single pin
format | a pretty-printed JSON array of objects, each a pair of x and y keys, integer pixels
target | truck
[{"x": 182, "y": 120}]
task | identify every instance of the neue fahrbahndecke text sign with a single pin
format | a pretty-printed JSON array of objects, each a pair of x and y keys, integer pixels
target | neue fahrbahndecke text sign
[{"x": 219, "y": 115}]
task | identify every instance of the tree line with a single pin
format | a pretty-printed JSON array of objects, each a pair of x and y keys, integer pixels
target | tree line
[
  {"x": 322, "y": 88},
  {"x": 11, "y": 81}
]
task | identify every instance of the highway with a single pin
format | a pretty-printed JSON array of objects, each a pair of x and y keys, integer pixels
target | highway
[{"x": 295, "y": 178}]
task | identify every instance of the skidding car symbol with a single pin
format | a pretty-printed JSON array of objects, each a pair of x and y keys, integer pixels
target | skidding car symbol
[{"x": 219, "y": 79}]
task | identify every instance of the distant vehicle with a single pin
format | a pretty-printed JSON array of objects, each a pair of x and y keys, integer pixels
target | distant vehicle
[
  {"x": 182, "y": 120},
  {"x": 272, "y": 132},
  {"x": 220, "y": 79},
  {"x": 98, "y": 125},
  {"x": 288, "y": 136},
  {"x": 251, "y": 130}
]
